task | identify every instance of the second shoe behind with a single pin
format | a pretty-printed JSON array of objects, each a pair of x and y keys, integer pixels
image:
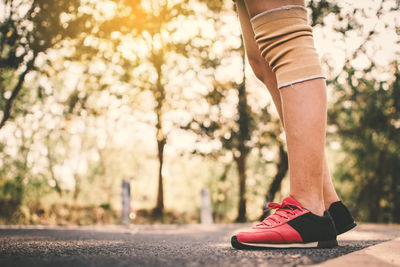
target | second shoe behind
[{"x": 341, "y": 217}]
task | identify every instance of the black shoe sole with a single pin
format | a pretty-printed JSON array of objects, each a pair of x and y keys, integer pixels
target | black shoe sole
[
  {"x": 346, "y": 229},
  {"x": 319, "y": 244}
]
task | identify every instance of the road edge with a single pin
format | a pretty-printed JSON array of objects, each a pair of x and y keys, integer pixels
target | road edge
[{"x": 385, "y": 254}]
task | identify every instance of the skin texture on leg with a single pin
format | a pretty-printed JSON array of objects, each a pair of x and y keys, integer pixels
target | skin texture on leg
[
  {"x": 330, "y": 194},
  {"x": 304, "y": 115}
]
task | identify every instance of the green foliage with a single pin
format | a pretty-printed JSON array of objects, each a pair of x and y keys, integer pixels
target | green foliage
[
  {"x": 366, "y": 113},
  {"x": 29, "y": 28},
  {"x": 214, "y": 5},
  {"x": 154, "y": 24},
  {"x": 11, "y": 195},
  {"x": 320, "y": 9},
  {"x": 111, "y": 82}
]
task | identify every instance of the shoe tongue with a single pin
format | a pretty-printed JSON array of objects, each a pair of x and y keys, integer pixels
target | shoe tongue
[{"x": 290, "y": 201}]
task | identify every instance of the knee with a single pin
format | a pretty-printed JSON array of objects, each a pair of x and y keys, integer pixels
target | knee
[
  {"x": 259, "y": 67},
  {"x": 285, "y": 40}
]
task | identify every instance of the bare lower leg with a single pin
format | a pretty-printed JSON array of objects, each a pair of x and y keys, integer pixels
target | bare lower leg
[
  {"x": 330, "y": 195},
  {"x": 304, "y": 112}
]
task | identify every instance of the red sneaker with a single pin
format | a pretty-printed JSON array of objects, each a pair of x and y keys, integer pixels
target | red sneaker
[{"x": 291, "y": 226}]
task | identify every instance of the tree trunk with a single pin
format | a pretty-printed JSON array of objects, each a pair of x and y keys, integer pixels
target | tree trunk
[
  {"x": 159, "y": 209},
  {"x": 106, "y": 187},
  {"x": 161, "y": 140},
  {"x": 395, "y": 192},
  {"x": 395, "y": 158},
  {"x": 159, "y": 96},
  {"x": 14, "y": 93},
  {"x": 241, "y": 165},
  {"x": 375, "y": 214},
  {"x": 219, "y": 206},
  {"x": 57, "y": 186},
  {"x": 282, "y": 168},
  {"x": 244, "y": 122}
]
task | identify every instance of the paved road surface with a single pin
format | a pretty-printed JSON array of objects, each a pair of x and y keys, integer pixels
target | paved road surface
[{"x": 190, "y": 245}]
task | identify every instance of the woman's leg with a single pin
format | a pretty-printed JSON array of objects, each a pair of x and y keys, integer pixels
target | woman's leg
[
  {"x": 330, "y": 195},
  {"x": 265, "y": 74},
  {"x": 302, "y": 109},
  {"x": 304, "y": 114}
]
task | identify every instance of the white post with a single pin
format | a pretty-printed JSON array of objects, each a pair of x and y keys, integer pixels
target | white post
[
  {"x": 206, "y": 210},
  {"x": 126, "y": 202}
]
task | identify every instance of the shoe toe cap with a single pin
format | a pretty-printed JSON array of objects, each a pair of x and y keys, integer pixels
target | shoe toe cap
[{"x": 259, "y": 237}]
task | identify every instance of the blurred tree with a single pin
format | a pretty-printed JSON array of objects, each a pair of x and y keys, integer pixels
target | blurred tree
[
  {"x": 367, "y": 115},
  {"x": 233, "y": 134},
  {"x": 241, "y": 137},
  {"x": 27, "y": 29},
  {"x": 238, "y": 134},
  {"x": 364, "y": 114},
  {"x": 156, "y": 27},
  {"x": 282, "y": 166},
  {"x": 250, "y": 128},
  {"x": 12, "y": 190},
  {"x": 29, "y": 32},
  {"x": 320, "y": 9},
  {"x": 149, "y": 45}
]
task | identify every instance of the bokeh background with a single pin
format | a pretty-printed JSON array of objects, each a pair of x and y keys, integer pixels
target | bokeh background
[{"x": 158, "y": 93}]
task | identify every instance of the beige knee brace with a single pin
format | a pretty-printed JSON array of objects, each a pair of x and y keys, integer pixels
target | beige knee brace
[{"x": 286, "y": 42}]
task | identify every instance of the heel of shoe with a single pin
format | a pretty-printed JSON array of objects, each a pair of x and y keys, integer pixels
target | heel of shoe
[
  {"x": 327, "y": 244},
  {"x": 341, "y": 217},
  {"x": 346, "y": 228}
]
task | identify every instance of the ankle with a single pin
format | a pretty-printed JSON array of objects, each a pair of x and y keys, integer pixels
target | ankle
[
  {"x": 328, "y": 200},
  {"x": 328, "y": 203},
  {"x": 315, "y": 205}
]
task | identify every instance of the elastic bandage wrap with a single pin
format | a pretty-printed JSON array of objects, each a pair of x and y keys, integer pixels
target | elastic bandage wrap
[{"x": 285, "y": 39}]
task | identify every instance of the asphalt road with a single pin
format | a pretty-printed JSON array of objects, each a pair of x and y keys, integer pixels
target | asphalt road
[{"x": 191, "y": 245}]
